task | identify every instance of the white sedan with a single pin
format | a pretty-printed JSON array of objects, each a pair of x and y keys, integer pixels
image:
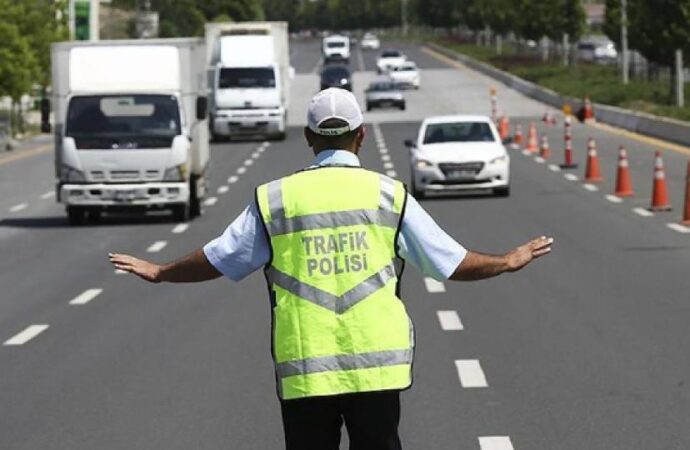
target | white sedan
[
  {"x": 389, "y": 60},
  {"x": 407, "y": 75},
  {"x": 459, "y": 153},
  {"x": 370, "y": 42}
]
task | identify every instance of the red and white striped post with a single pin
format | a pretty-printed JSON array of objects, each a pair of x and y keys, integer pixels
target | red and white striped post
[
  {"x": 494, "y": 108},
  {"x": 568, "y": 139}
]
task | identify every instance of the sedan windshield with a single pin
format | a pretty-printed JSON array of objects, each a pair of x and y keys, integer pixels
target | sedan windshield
[
  {"x": 391, "y": 54},
  {"x": 247, "y": 77},
  {"x": 382, "y": 86},
  {"x": 335, "y": 73},
  {"x": 437, "y": 133},
  {"x": 123, "y": 121}
]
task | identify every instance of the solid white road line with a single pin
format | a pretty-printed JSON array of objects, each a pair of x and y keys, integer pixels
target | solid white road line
[
  {"x": 678, "y": 227},
  {"x": 388, "y": 165},
  {"x": 26, "y": 335},
  {"x": 613, "y": 198},
  {"x": 180, "y": 228},
  {"x": 554, "y": 168},
  {"x": 157, "y": 246},
  {"x": 392, "y": 173},
  {"x": 434, "y": 286},
  {"x": 223, "y": 189},
  {"x": 47, "y": 195},
  {"x": 495, "y": 443},
  {"x": 570, "y": 177},
  {"x": 450, "y": 321},
  {"x": 210, "y": 201},
  {"x": 539, "y": 160},
  {"x": 233, "y": 179},
  {"x": 470, "y": 373},
  {"x": 241, "y": 170},
  {"x": 19, "y": 207},
  {"x": 590, "y": 187},
  {"x": 643, "y": 212},
  {"x": 85, "y": 297}
]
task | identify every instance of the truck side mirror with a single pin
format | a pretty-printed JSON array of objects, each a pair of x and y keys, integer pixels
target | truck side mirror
[
  {"x": 410, "y": 143},
  {"x": 45, "y": 115},
  {"x": 201, "y": 107}
]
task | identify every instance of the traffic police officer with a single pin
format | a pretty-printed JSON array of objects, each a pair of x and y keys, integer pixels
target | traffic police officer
[{"x": 332, "y": 239}]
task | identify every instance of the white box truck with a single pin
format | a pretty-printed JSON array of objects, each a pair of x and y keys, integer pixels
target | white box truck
[
  {"x": 130, "y": 126},
  {"x": 249, "y": 74}
]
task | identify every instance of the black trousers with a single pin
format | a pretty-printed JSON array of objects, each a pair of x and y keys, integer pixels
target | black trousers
[{"x": 371, "y": 420}]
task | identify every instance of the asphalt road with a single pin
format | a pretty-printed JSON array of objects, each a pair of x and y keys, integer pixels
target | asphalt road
[{"x": 586, "y": 349}]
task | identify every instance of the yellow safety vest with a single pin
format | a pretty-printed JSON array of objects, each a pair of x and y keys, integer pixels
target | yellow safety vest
[{"x": 338, "y": 324}]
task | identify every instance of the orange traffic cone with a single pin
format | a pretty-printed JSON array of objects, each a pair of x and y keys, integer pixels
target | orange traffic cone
[
  {"x": 624, "y": 186},
  {"x": 532, "y": 139},
  {"x": 545, "y": 151},
  {"x": 517, "y": 139},
  {"x": 593, "y": 171},
  {"x": 686, "y": 211},
  {"x": 660, "y": 200},
  {"x": 504, "y": 128}
]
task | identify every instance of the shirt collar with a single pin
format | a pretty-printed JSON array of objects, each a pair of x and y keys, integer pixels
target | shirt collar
[{"x": 335, "y": 158}]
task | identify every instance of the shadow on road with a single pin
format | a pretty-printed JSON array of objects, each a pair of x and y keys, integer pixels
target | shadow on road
[{"x": 106, "y": 220}]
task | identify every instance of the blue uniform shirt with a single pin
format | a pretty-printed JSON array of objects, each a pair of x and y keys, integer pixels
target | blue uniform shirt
[{"x": 244, "y": 246}]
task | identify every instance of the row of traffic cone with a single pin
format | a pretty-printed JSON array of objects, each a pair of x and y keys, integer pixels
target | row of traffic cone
[{"x": 624, "y": 187}]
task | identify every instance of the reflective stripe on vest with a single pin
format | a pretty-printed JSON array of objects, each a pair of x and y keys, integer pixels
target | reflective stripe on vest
[{"x": 336, "y": 253}]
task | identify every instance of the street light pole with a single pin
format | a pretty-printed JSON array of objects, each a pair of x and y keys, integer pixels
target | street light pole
[
  {"x": 403, "y": 16},
  {"x": 624, "y": 41}
]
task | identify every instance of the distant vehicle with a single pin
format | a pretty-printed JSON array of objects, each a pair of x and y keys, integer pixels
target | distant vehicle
[
  {"x": 384, "y": 93},
  {"x": 336, "y": 75},
  {"x": 130, "y": 129},
  {"x": 389, "y": 60},
  {"x": 456, "y": 153},
  {"x": 250, "y": 79},
  {"x": 406, "y": 75},
  {"x": 370, "y": 42},
  {"x": 336, "y": 48},
  {"x": 600, "y": 51}
]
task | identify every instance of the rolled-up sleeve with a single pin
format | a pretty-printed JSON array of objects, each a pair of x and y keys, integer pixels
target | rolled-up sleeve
[
  {"x": 242, "y": 248},
  {"x": 425, "y": 245}
]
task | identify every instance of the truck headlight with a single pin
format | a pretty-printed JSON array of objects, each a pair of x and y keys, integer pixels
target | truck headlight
[
  {"x": 177, "y": 173},
  {"x": 499, "y": 160},
  {"x": 72, "y": 175},
  {"x": 423, "y": 164}
]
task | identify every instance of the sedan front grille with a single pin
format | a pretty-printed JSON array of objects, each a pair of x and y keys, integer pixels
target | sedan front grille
[{"x": 470, "y": 168}]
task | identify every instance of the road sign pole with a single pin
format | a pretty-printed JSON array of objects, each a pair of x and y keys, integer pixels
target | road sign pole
[{"x": 624, "y": 42}]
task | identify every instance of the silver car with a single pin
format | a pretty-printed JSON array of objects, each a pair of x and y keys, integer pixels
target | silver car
[{"x": 383, "y": 94}]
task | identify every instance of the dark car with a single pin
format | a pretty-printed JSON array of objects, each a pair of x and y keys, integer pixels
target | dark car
[
  {"x": 336, "y": 75},
  {"x": 384, "y": 93}
]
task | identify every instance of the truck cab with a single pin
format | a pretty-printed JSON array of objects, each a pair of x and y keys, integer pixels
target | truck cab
[{"x": 336, "y": 48}]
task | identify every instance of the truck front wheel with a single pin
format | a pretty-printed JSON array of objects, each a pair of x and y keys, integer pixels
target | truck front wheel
[
  {"x": 181, "y": 212},
  {"x": 194, "y": 202},
  {"x": 75, "y": 215}
]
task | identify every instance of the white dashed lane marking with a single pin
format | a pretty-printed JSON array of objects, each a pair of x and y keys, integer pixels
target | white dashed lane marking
[
  {"x": 241, "y": 170},
  {"x": 450, "y": 321},
  {"x": 85, "y": 297},
  {"x": 26, "y": 335},
  {"x": 120, "y": 272},
  {"x": 248, "y": 162},
  {"x": 157, "y": 246},
  {"x": 48, "y": 195},
  {"x": 570, "y": 177},
  {"x": 643, "y": 212},
  {"x": 392, "y": 173},
  {"x": 210, "y": 201},
  {"x": 590, "y": 187},
  {"x": 19, "y": 207},
  {"x": 495, "y": 443},
  {"x": 539, "y": 160},
  {"x": 554, "y": 168},
  {"x": 470, "y": 373},
  {"x": 613, "y": 198},
  {"x": 434, "y": 286},
  {"x": 223, "y": 189},
  {"x": 526, "y": 152},
  {"x": 388, "y": 165},
  {"x": 256, "y": 154},
  {"x": 678, "y": 227},
  {"x": 233, "y": 179},
  {"x": 180, "y": 228},
  {"x": 385, "y": 157}
]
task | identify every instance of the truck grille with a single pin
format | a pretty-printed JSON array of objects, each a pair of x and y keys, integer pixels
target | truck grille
[{"x": 122, "y": 175}]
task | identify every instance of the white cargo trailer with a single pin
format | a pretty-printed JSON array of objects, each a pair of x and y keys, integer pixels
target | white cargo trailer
[
  {"x": 249, "y": 74},
  {"x": 130, "y": 126}
]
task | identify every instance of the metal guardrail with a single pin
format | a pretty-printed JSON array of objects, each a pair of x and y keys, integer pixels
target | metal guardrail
[{"x": 659, "y": 127}]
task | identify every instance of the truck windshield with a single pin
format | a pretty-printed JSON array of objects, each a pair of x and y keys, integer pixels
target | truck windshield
[
  {"x": 123, "y": 121},
  {"x": 458, "y": 132},
  {"x": 248, "y": 77},
  {"x": 337, "y": 44}
]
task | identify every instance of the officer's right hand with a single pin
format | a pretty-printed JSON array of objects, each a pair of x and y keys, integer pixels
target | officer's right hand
[{"x": 145, "y": 270}]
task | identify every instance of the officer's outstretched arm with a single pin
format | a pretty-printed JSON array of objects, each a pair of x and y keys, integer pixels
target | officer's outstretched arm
[
  {"x": 478, "y": 266},
  {"x": 189, "y": 269}
]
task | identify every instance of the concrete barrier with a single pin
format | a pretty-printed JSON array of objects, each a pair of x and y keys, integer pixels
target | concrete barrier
[{"x": 659, "y": 127}]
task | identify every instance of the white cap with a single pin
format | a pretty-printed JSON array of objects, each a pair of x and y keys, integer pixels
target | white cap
[{"x": 334, "y": 103}]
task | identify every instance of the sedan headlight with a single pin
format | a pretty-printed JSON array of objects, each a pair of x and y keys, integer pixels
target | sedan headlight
[
  {"x": 499, "y": 160},
  {"x": 72, "y": 175},
  {"x": 177, "y": 173},
  {"x": 423, "y": 164}
]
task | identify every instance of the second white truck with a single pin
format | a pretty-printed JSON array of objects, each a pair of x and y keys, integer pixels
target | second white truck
[{"x": 249, "y": 75}]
